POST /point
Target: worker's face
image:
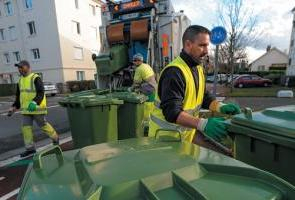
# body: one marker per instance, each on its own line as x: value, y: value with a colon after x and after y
x: 24, y: 70
x: 198, y: 48
x: 137, y: 62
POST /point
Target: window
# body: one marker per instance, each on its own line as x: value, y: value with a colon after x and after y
x: 78, y: 53
x: 32, y: 28
x: 6, y: 58
x: 2, y: 35
x: 290, y: 60
x: 28, y: 4
x: 35, y: 54
x: 80, y: 75
x: 77, y: 4
x: 93, y: 32
x: 76, y: 27
x: 245, y: 78
x: 92, y: 9
x: 16, y: 56
x: 12, y: 32
x: 8, y: 8
x: 261, y: 68
x: 292, y: 43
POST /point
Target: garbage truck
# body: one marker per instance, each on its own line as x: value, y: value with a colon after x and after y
x: 149, y: 27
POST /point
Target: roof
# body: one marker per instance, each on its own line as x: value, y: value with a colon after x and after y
x: 272, y: 49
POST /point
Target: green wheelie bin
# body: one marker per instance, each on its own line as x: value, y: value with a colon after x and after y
x: 93, y: 119
x: 130, y: 114
x: 146, y: 168
x: 266, y: 139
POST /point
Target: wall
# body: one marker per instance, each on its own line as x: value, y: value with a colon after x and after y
x: 46, y: 38
x: 66, y: 13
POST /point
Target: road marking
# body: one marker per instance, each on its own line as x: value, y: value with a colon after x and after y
x: 17, y: 158
x: 10, y: 194
x: 2, y: 178
x: 54, y: 106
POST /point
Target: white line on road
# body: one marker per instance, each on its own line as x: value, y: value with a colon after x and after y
x: 2, y: 178
x: 10, y: 194
x: 54, y: 106
x: 17, y: 158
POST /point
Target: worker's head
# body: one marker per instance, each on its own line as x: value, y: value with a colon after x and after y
x: 195, y: 41
x: 24, y: 67
x: 137, y: 59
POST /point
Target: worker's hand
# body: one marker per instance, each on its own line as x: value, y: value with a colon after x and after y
x: 230, y: 109
x: 32, y: 106
x: 213, y: 128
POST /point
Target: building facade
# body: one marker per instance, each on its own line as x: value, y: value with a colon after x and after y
x: 291, y: 62
x: 56, y: 37
x: 272, y: 59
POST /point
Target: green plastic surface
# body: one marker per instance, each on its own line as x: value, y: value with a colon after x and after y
x: 278, y: 120
x: 93, y: 119
x: 130, y: 114
x: 113, y: 60
x: 266, y: 140
x: 148, y: 169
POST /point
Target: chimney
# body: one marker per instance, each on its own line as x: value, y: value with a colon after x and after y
x: 268, y: 48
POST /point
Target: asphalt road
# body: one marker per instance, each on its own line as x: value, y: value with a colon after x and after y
x: 10, y: 127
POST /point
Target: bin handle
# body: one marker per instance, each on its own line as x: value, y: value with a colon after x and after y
x: 37, y: 159
x: 168, y: 130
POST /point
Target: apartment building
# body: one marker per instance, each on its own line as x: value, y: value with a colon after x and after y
x: 57, y: 37
x: 291, y: 62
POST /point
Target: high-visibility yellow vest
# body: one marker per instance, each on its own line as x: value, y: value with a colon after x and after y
x: 28, y: 93
x: 192, y: 102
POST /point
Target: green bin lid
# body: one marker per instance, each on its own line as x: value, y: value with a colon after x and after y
x: 146, y: 168
x: 130, y: 97
x: 89, y: 101
x: 278, y: 120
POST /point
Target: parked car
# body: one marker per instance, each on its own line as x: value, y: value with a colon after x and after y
x: 50, y: 89
x: 251, y: 81
x: 210, y: 79
x: 234, y: 77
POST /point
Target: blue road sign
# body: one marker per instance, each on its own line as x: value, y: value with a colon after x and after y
x: 218, y: 35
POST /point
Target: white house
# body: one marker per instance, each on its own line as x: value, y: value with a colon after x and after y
x: 57, y: 37
x: 291, y: 62
x: 273, y: 59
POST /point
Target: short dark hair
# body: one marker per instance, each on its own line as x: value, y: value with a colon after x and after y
x: 192, y: 31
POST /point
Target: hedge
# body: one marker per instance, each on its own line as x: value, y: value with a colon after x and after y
x: 7, y: 89
x: 76, y: 86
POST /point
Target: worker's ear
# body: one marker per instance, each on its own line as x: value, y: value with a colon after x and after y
x: 188, y: 45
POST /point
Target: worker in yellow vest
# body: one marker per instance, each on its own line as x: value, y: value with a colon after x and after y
x: 181, y: 94
x: 31, y: 101
x: 144, y: 81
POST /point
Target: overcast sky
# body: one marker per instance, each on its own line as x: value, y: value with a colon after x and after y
x: 274, y: 15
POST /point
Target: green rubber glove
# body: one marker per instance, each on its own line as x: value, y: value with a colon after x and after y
x: 213, y: 128
x: 230, y: 109
x: 32, y: 106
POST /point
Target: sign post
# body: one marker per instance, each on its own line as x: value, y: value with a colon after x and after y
x: 218, y: 36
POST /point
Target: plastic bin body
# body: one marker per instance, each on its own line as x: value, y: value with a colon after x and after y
x: 92, y: 123
x: 267, y: 140
x: 145, y: 168
x: 130, y: 115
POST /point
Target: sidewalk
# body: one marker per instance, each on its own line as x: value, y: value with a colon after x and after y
x: 13, y: 155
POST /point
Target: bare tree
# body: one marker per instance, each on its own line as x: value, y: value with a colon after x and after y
x: 240, y: 23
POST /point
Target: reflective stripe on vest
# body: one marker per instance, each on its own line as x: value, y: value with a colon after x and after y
x: 191, y: 103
